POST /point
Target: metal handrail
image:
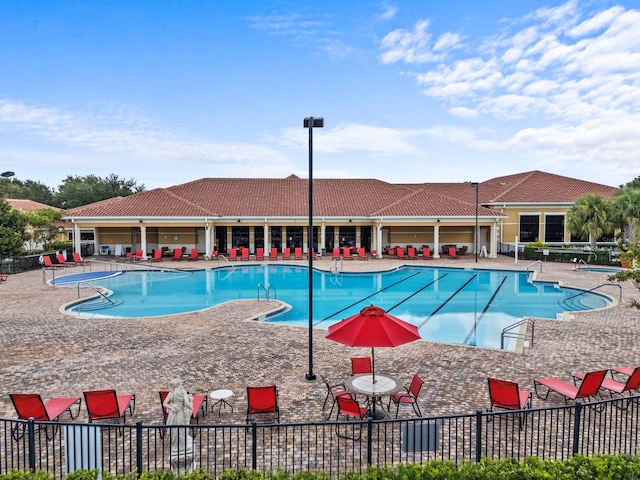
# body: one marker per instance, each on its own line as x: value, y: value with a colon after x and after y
x: 227, y: 260
x: 95, y: 290
x: 507, y: 332
x: 266, y: 292
x: 577, y: 267
x: 267, y: 289
x: 595, y: 288
x: 532, y: 264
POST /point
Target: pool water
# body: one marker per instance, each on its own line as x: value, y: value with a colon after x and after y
x: 447, y: 304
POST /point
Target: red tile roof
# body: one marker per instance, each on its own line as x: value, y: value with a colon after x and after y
x: 287, y: 197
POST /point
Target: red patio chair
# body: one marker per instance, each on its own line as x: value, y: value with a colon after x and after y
x: 47, y: 263
x: 333, y: 392
x: 105, y: 404
x: 193, y: 255
x: 214, y: 254
x: 361, y: 254
x: 273, y: 255
x: 286, y: 255
x: 263, y: 400
x: 426, y: 253
x: 346, y: 253
x: 360, y: 365
x: 311, y: 253
x: 350, y: 408
x: 30, y: 405
x: 259, y: 253
x: 139, y: 255
x: 409, y: 396
x: 400, y: 253
x: 244, y: 253
x: 589, y: 386
x: 505, y: 394
x: 233, y: 254
x: 336, y: 254
x: 453, y: 253
x: 157, y: 255
x: 62, y: 261
x: 297, y: 253
x: 177, y: 254
x: 614, y: 386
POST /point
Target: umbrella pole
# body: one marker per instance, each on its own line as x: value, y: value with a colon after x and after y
x: 373, y: 365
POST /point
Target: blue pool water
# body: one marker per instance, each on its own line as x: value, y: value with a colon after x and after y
x: 447, y: 304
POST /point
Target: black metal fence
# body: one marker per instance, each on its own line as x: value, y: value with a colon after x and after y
x: 608, y: 427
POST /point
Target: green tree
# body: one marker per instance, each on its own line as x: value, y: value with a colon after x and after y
x: 13, y: 234
x: 43, y: 230
x: 29, y: 190
x: 78, y: 191
x: 626, y: 208
x: 589, y: 218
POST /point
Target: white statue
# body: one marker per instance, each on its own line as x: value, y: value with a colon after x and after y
x: 179, y: 405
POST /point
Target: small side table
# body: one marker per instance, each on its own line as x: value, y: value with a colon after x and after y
x: 220, y: 399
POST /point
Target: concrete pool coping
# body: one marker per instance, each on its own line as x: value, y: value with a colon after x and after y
x: 53, y: 354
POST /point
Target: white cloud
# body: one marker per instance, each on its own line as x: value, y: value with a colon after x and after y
x: 388, y: 13
x: 410, y: 46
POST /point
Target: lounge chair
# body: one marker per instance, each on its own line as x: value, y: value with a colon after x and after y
x: 311, y: 253
x: 193, y: 255
x: 400, y: 253
x: 263, y: 400
x: 214, y: 254
x: 409, y: 396
x: 105, y: 404
x: 177, y: 254
x: 61, y: 261
x: 260, y: 254
x: 589, y: 386
x: 361, y: 254
x: 507, y: 395
x: 346, y: 253
x: 233, y: 254
x: 139, y: 255
x: 244, y: 254
x: 47, y: 263
x: 297, y: 253
x: 273, y: 255
x: 199, y: 406
x: 453, y: 253
x: 157, y: 255
x: 360, y: 365
x: 3, y: 277
x: 426, y: 253
x: 30, y: 405
x: 78, y: 259
x: 336, y: 254
x: 411, y: 254
x: 333, y: 392
x: 286, y: 254
x: 614, y: 386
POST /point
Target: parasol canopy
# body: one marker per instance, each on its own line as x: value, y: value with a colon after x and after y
x: 373, y: 327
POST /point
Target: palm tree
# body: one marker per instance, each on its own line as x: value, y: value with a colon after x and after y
x: 589, y: 218
x: 626, y: 205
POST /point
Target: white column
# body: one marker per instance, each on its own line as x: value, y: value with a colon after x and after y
x: 379, y: 240
x: 267, y: 240
x: 493, y: 247
x: 323, y: 237
x: 436, y: 241
x: 76, y: 238
x: 207, y: 241
x: 143, y: 241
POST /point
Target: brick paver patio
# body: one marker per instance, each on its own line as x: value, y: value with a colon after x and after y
x: 48, y: 352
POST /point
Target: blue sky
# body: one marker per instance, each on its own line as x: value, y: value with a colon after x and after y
x: 167, y: 91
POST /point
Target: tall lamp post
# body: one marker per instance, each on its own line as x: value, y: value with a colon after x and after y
x: 310, y: 123
x: 475, y: 235
x: 7, y: 174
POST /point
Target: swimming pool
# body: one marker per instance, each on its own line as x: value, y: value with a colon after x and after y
x: 447, y: 304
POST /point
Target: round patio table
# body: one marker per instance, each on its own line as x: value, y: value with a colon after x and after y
x: 385, y: 385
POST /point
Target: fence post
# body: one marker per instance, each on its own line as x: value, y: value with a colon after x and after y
x: 139, y: 447
x: 478, y: 436
x: 254, y: 445
x: 31, y: 432
x: 369, y: 440
x: 576, y: 427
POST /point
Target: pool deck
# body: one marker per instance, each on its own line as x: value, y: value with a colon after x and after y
x: 45, y: 351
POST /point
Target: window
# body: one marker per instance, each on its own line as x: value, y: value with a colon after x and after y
x: 240, y: 236
x: 529, y: 228
x: 554, y: 228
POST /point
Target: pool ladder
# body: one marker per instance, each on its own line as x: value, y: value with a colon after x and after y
x: 269, y: 288
x: 510, y: 332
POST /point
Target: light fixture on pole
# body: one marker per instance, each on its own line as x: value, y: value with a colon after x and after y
x: 7, y: 174
x: 476, y: 185
x: 310, y: 123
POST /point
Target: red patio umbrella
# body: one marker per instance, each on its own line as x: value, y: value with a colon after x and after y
x: 373, y: 327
